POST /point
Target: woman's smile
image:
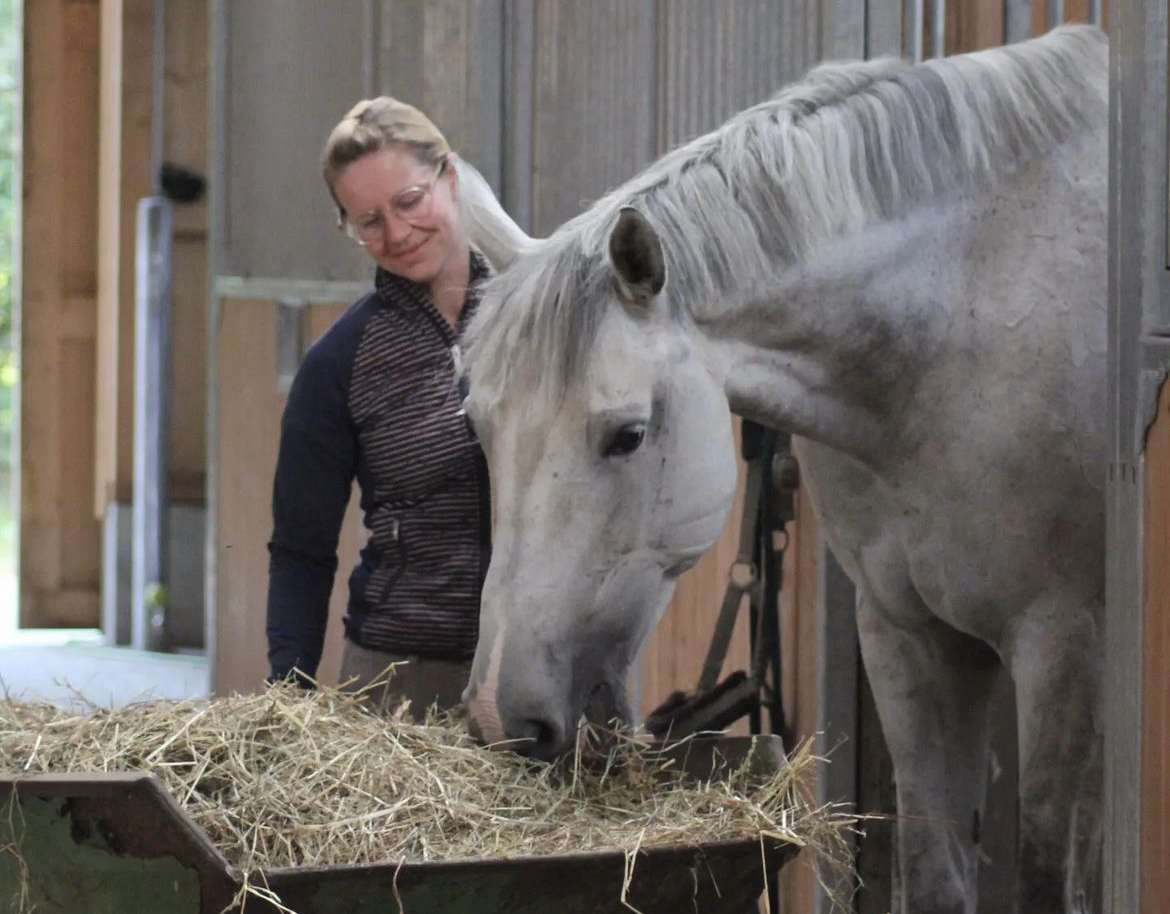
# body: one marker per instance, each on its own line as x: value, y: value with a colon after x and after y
x: 411, y: 252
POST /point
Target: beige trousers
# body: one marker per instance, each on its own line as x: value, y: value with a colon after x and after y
x: 423, y: 681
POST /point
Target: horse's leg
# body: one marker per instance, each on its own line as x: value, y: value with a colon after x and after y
x: 931, y: 685
x: 1055, y: 657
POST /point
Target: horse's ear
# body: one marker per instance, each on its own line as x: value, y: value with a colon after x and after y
x: 635, y: 256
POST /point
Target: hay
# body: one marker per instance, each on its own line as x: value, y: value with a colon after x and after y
x: 295, y: 778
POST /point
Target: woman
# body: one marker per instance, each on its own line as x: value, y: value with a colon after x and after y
x: 378, y: 398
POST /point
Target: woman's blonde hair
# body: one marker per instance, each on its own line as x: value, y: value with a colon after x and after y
x: 372, y: 125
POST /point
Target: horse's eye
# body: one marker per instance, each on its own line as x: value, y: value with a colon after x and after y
x: 626, y: 440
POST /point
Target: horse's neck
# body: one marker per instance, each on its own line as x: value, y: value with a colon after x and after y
x: 831, y: 344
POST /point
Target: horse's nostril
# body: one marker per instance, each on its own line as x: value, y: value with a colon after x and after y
x: 538, y: 739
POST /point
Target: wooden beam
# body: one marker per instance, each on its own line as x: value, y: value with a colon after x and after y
x: 127, y: 29
x: 249, y: 410
x: 60, y: 538
x: 974, y: 24
x: 185, y: 143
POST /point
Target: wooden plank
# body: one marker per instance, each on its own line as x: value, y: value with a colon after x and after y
x: 1040, y: 16
x: 714, y: 60
x: 593, y: 105
x: 185, y: 143
x: 185, y: 95
x: 62, y: 607
x: 79, y: 317
x: 801, y: 637
x: 276, y: 117
x: 249, y: 409
x: 124, y: 169
x: 188, y: 413
x: 1155, y: 752
x: 78, y: 547
x: 78, y: 107
x: 885, y: 27
x: 60, y: 538
x: 444, y: 56
x: 978, y: 24
x: 40, y: 356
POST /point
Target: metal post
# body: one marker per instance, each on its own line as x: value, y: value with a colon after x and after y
x: 152, y: 380
x: 1017, y: 20
x: 938, y: 31
x: 916, y: 32
x: 152, y: 322
x: 1055, y: 13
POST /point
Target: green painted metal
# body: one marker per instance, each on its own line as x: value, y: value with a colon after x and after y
x: 45, y: 866
x: 120, y: 844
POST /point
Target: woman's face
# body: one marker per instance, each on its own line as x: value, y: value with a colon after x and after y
x: 402, y: 212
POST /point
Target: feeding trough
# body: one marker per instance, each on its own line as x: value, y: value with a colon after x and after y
x: 110, y: 843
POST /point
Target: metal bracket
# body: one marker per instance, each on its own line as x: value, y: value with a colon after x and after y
x: 291, y: 318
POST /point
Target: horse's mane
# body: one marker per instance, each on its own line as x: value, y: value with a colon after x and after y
x: 852, y: 144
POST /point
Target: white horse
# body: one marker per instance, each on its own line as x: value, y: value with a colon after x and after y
x: 906, y: 267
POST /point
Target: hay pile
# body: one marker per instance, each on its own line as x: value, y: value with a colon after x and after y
x: 295, y: 778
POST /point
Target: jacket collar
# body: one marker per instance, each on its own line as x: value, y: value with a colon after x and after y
x: 400, y: 292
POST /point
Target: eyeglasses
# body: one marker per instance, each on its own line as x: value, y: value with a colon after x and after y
x: 413, y: 205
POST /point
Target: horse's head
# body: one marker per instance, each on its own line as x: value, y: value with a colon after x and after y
x: 609, y: 445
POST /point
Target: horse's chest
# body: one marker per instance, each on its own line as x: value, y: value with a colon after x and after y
x: 911, y: 554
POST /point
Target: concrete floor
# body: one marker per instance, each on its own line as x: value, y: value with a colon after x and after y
x: 75, y: 667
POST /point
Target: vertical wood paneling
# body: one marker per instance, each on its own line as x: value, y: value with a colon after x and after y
x: 249, y: 410
x: 292, y: 71
x: 885, y: 28
x: 717, y: 59
x: 1040, y: 16
x: 60, y: 542
x: 126, y: 111
x: 979, y: 24
x: 249, y: 437
x: 801, y: 647
x: 1155, y: 754
x: 446, y: 57
x: 124, y: 152
x: 185, y: 143
x: 593, y: 115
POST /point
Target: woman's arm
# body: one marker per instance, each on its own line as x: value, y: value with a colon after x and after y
x: 311, y: 489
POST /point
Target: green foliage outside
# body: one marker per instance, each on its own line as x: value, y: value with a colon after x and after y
x: 10, y: 109
x: 10, y: 184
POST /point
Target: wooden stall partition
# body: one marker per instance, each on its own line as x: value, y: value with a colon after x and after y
x: 127, y: 30
x: 185, y: 104
x: 800, y: 636
x: 1155, y: 742
x: 60, y: 540
x: 249, y: 407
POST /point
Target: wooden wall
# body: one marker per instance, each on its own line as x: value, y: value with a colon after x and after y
x: 59, y: 536
x: 86, y: 163
x: 249, y: 406
x: 125, y: 147
x: 185, y: 143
